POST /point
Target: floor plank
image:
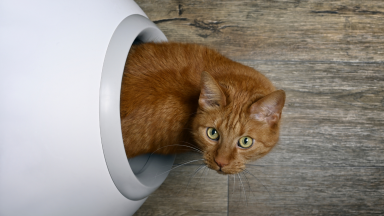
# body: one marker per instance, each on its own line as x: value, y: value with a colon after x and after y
x: 308, y: 190
x: 348, y: 30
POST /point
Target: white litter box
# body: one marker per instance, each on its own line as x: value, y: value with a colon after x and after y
x: 61, y: 148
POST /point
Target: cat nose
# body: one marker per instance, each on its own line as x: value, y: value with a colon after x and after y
x: 221, y: 162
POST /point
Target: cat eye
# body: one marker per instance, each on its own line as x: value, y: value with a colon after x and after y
x: 245, y: 142
x: 212, y: 133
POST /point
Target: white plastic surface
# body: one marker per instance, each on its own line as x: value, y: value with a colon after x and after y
x: 51, y: 60
x: 150, y: 178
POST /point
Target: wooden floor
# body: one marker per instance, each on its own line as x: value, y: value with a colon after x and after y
x: 329, y: 58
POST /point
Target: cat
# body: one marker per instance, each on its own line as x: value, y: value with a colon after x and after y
x: 188, y: 94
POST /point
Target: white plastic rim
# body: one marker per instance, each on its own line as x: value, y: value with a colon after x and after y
x: 151, y: 173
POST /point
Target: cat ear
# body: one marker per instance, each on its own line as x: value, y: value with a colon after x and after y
x: 211, y: 95
x: 269, y: 107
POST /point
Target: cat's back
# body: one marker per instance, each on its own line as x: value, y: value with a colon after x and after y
x: 175, y: 68
x: 176, y: 63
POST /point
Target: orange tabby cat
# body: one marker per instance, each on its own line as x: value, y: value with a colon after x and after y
x: 188, y: 94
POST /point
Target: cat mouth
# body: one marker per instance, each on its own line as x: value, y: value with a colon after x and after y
x: 227, y: 172
x: 220, y: 171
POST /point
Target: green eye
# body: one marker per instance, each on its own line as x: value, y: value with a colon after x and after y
x: 245, y: 142
x: 213, y: 134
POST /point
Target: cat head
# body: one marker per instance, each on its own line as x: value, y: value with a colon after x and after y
x: 234, y: 124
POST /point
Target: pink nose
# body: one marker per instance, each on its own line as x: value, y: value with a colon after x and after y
x: 221, y: 162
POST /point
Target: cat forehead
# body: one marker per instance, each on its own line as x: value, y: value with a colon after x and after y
x: 236, y: 123
x: 238, y: 99
x: 235, y: 117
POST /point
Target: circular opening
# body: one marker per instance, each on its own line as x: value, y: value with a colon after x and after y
x: 138, y: 177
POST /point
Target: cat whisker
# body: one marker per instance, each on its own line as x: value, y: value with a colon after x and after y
x: 193, y: 175
x: 245, y: 194
x: 205, y: 177
x: 234, y: 184
x: 202, y: 173
x: 195, y: 151
x: 179, y: 166
x: 197, y: 148
x: 194, y: 148
x: 249, y: 185
x: 259, y: 181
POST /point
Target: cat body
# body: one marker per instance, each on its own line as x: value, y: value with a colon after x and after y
x: 177, y: 94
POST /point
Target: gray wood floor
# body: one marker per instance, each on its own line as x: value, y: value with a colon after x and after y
x: 329, y: 58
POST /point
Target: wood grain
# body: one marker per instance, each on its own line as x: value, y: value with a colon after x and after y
x: 308, y: 190
x: 328, y: 56
x: 349, y: 30
x: 187, y: 192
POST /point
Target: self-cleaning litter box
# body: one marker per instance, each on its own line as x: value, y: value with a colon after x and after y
x: 61, y: 148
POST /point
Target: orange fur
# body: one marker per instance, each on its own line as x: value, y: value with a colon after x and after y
x: 165, y: 100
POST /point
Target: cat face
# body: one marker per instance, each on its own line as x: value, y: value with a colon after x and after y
x: 233, y: 130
